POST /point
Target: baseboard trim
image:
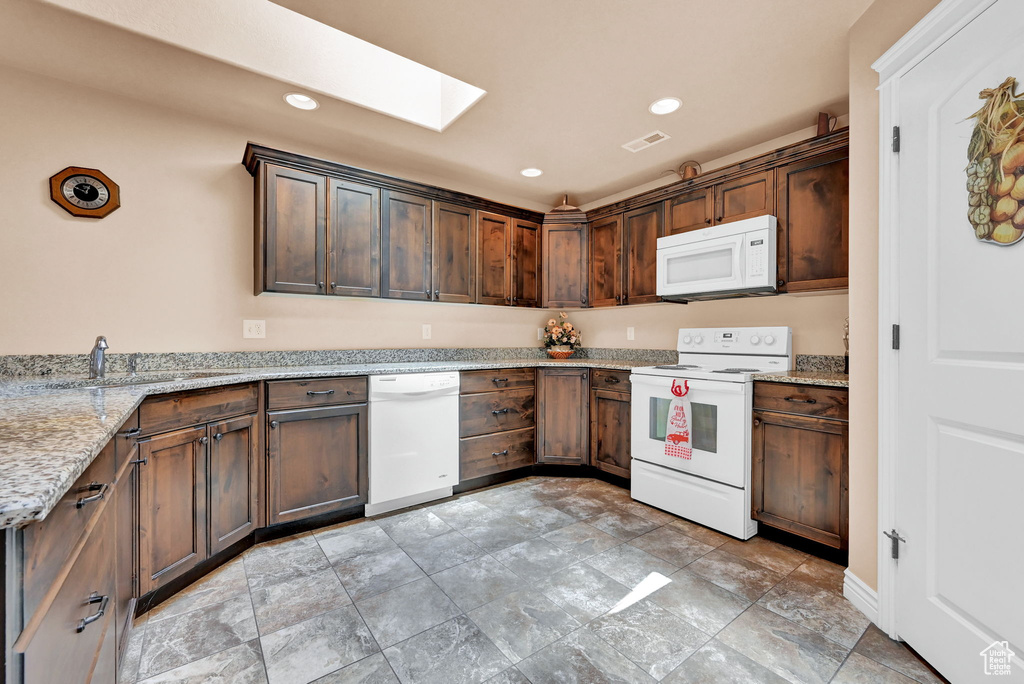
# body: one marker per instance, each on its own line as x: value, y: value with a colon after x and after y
x: 863, y: 597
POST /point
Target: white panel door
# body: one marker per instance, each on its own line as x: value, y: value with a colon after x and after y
x: 960, y: 464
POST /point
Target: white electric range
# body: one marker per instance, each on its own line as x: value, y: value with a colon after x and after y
x: 715, y: 371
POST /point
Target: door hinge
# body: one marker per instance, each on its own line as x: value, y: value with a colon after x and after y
x: 895, y: 335
x: 895, y: 538
x: 896, y: 139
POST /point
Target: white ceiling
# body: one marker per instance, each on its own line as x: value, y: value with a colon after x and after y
x: 568, y: 82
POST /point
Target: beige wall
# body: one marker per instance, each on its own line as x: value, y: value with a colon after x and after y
x: 879, y: 27
x: 171, y: 269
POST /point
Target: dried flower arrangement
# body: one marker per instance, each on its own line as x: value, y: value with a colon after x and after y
x: 561, y: 337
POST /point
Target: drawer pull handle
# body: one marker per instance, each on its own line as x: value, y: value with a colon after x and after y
x: 313, y: 394
x: 500, y: 453
x: 802, y: 401
x: 499, y: 411
x: 132, y: 432
x: 140, y: 461
x: 499, y: 380
x: 273, y: 424
x: 92, y: 487
x: 612, y: 380
x: 86, y: 621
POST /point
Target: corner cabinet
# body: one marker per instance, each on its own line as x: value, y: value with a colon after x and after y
x: 562, y: 415
x: 564, y: 281
x: 800, y: 461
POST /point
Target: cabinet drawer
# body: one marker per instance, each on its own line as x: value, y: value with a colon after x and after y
x: 57, y: 651
x: 180, y: 410
x: 495, y: 412
x: 809, y: 400
x: 283, y: 394
x: 489, y: 454
x: 610, y: 380
x: 49, y: 543
x: 471, y: 382
x: 124, y: 440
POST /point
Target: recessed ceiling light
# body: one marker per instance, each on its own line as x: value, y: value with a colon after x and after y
x: 665, y: 105
x: 300, y: 101
x: 531, y: 172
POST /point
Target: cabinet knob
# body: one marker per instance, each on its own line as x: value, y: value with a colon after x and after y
x: 583, y: 300
x: 273, y: 424
x: 508, y: 299
x: 781, y: 282
x: 718, y: 219
x: 707, y: 221
x: 320, y: 284
x: 757, y: 421
x: 437, y: 293
x: 204, y: 440
x: 219, y: 436
x: 334, y: 286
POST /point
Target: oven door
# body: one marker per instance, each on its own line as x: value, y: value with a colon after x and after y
x: 720, y: 427
x: 714, y: 265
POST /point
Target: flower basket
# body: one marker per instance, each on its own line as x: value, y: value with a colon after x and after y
x: 561, y: 337
x: 560, y: 352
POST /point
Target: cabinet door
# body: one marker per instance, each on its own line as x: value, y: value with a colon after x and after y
x: 232, y: 481
x: 353, y: 240
x: 609, y: 431
x: 494, y: 235
x: 606, y: 261
x: 564, y: 283
x: 640, y: 232
x: 454, y: 258
x: 562, y: 416
x: 172, y: 506
x: 317, y: 460
x: 406, y: 233
x: 126, y: 524
x: 814, y: 216
x: 295, y: 231
x: 689, y: 212
x: 800, y: 476
x: 525, y: 263
x: 745, y: 197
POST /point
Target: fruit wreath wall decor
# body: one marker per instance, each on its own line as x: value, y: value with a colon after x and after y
x: 995, y: 170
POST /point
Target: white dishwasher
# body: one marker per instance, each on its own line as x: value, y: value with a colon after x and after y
x: 414, y: 439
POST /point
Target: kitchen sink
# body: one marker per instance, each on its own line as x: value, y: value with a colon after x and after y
x: 122, y: 380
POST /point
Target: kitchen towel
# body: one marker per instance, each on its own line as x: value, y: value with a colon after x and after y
x: 677, y: 433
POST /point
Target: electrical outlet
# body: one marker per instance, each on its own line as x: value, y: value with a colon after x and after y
x: 426, y: 331
x: 254, y: 329
x: 630, y: 333
x: 540, y: 333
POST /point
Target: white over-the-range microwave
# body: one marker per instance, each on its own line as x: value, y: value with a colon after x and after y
x: 729, y: 260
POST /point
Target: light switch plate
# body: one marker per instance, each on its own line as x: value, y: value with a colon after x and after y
x: 426, y: 331
x: 540, y: 333
x: 630, y: 333
x: 254, y: 329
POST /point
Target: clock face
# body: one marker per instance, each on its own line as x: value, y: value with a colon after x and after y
x: 85, y: 192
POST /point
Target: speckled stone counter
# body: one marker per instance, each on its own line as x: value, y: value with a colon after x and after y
x: 51, y: 427
x: 798, y: 377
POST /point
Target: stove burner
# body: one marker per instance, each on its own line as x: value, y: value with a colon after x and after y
x: 737, y: 370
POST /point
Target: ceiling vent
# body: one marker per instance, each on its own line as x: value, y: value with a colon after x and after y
x: 646, y: 141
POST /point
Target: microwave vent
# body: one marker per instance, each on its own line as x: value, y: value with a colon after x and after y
x: 652, y: 138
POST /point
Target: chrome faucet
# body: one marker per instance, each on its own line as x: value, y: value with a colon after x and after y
x: 97, y: 361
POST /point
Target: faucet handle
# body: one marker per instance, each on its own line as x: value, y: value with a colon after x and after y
x: 101, y: 342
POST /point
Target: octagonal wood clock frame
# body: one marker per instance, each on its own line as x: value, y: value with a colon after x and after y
x: 88, y: 193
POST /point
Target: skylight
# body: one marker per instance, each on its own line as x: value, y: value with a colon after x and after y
x: 274, y: 41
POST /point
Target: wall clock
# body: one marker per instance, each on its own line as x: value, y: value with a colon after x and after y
x: 85, y: 192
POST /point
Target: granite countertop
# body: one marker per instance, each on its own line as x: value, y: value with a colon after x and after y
x: 51, y: 428
x: 821, y: 378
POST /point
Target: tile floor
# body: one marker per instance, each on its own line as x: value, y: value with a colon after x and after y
x: 519, y: 583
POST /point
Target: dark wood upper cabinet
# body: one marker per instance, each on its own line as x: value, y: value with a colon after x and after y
x: 641, y: 229
x: 813, y: 201
x: 406, y: 236
x: 317, y: 461
x: 606, y: 261
x: 494, y: 242
x: 562, y: 415
x: 295, y: 222
x: 745, y: 197
x: 689, y: 211
x: 564, y: 281
x: 353, y: 239
x: 454, y: 257
x: 172, y: 506
x: 526, y: 258
x: 232, y: 481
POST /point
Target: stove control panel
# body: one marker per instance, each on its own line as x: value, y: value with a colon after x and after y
x: 767, y: 341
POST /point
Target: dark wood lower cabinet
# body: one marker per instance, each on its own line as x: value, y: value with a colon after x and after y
x: 317, y: 461
x: 232, y: 481
x: 562, y: 415
x: 172, y: 506
x: 610, y: 431
x: 126, y: 520
x: 800, y: 466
